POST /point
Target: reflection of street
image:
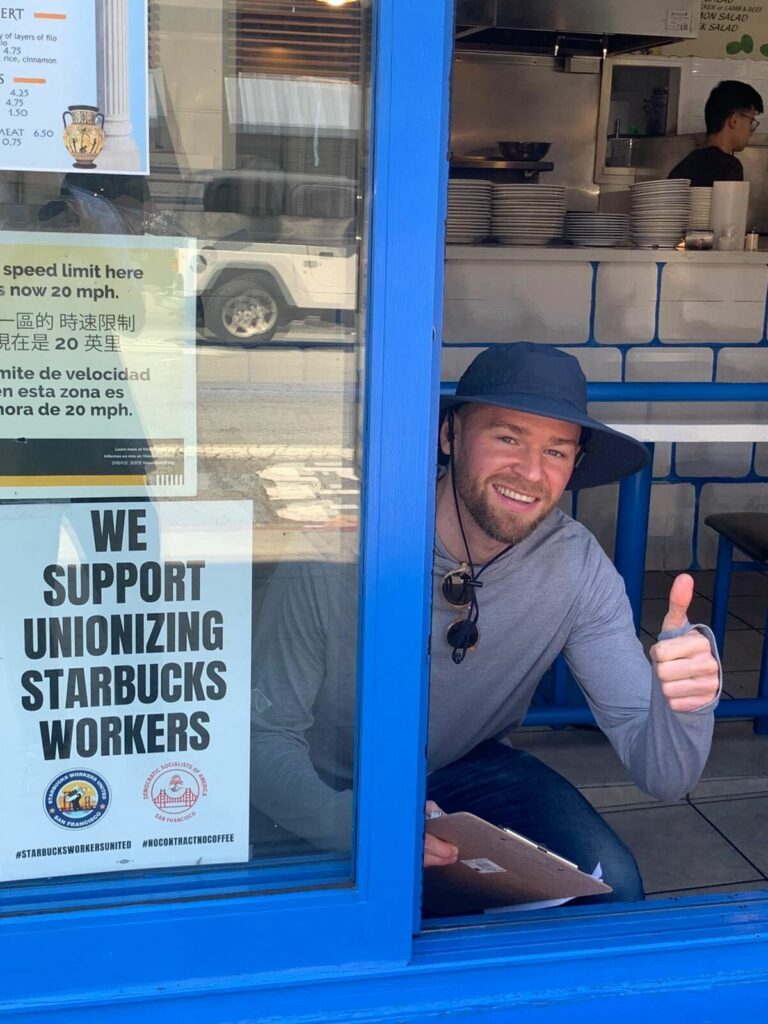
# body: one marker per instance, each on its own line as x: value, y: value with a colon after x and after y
x: 277, y: 424
x: 307, y: 332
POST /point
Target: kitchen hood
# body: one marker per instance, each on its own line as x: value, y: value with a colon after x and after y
x: 569, y: 27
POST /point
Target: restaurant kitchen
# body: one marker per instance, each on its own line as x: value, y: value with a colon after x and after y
x: 633, y: 311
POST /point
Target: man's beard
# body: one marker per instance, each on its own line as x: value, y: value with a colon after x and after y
x: 504, y: 527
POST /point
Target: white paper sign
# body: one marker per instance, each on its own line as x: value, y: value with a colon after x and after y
x: 124, y: 707
x: 97, y: 366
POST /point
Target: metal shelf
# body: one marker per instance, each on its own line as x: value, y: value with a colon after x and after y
x: 534, y: 166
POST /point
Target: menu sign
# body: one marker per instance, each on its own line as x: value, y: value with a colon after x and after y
x: 73, y: 87
x: 97, y: 366
x: 728, y: 28
x: 124, y: 710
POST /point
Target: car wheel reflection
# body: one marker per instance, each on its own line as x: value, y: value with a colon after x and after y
x: 247, y: 310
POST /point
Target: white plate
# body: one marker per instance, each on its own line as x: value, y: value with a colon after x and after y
x: 537, y: 216
x: 527, y: 201
x: 511, y: 187
x: 469, y: 218
x: 612, y: 236
x: 673, y: 185
x: 595, y: 223
x: 513, y: 226
x: 530, y: 235
x: 678, y: 204
x: 661, y: 207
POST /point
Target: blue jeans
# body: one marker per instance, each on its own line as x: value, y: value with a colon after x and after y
x: 513, y: 789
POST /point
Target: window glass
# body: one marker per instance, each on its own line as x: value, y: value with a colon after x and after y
x: 182, y: 205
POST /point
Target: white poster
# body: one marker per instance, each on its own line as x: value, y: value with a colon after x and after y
x: 125, y: 640
x: 728, y: 28
x: 73, y: 87
x: 97, y: 366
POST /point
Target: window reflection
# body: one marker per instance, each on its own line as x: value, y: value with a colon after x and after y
x: 255, y: 207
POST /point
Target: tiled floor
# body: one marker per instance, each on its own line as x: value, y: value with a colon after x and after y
x: 716, y: 840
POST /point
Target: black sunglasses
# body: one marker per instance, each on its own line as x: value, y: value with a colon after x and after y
x: 458, y: 589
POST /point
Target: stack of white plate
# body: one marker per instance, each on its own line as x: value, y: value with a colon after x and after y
x: 469, y: 211
x: 659, y: 212
x: 701, y: 206
x: 596, y: 228
x: 527, y: 214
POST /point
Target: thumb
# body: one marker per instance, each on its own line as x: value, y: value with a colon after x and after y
x: 680, y: 597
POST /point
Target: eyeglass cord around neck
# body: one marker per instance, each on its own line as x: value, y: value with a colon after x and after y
x: 473, y: 611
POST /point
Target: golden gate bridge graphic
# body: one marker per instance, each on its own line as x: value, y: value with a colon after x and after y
x: 182, y: 802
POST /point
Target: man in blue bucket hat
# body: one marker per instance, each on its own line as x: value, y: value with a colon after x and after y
x: 516, y: 583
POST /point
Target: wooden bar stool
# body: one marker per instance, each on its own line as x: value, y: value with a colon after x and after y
x: 748, y: 532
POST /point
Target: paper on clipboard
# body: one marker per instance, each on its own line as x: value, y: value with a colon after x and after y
x: 497, y: 868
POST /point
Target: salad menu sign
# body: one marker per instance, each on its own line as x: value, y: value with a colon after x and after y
x: 73, y: 87
x: 728, y: 28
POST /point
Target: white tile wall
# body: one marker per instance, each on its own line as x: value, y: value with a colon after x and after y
x: 670, y: 526
x: 596, y: 509
x: 566, y: 503
x: 726, y: 498
x: 701, y: 76
x: 742, y: 364
x: 705, y: 460
x: 717, y: 303
x: 455, y: 360
x: 669, y: 364
x: 598, y: 363
x: 513, y: 300
x: 662, y: 459
x: 625, y: 303
x: 517, y: 301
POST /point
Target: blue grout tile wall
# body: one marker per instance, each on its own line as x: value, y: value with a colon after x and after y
x: 671, y: 319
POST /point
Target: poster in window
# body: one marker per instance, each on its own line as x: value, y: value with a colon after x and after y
x: 124, y: 711
x: 97, y: 366
x: 73, y: 87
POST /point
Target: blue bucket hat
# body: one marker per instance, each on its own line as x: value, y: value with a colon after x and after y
x: 546, y: 381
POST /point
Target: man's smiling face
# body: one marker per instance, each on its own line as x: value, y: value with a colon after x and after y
x: 511, y: 469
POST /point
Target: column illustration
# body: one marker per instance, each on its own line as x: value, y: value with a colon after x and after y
x: 113, y: 86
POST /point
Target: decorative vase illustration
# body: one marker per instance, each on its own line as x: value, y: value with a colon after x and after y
x: 83, y: 136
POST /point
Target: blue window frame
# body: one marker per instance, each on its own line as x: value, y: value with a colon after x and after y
x: 334, y: 953
x: 208, y: 933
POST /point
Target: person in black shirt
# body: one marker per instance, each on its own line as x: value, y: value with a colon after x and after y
x: 730, y: 118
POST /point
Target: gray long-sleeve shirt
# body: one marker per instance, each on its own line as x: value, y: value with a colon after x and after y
x: 554, y: 592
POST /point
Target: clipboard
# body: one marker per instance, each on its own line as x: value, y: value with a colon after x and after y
x: 498, y: 867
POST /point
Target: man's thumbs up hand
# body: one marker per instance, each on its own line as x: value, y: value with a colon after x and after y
x: 686, y: 668
x: 680, y: 597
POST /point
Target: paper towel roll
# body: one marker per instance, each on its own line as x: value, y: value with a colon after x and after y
x: 729, y: 210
